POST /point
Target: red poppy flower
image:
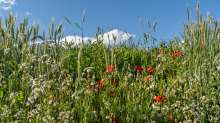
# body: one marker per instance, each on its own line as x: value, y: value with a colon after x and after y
x: 113, y: 119
x: 100, y: 83
x: 56, y: 97
x: 176, y: 53
x: 158, y: 98
x: 130, y: 91
x: 202, y: 45
x: 51, y: 98
x: 89, y: 87
x: 97, y: 90
x: 138, y: 68
x: 110, y: 68
x: 170, y: 118
x: 112, y: 92
x: 65, y: 87
x: 160, y: 51
x: 150, y: 70
x: 114, y: 83
x: 145, y: 79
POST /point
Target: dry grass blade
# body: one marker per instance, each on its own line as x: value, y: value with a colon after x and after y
x: 191, y: 15
x: 141, y: 23
x: 83, y: 16
x: 52, y: 26
x: 184, y: 34
x: 60, y: 26
x: 67, y: 20
x: 49, y: 30
x: 197, y: 9
x: 154, y: 25
x: 32, y: 28
x: 148, y: 24
x: 187, y: 12
x: 62, y: 32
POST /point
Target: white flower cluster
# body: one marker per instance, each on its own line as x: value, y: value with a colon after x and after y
x: 74, y: 95
x: 64, y: 115
x: 156, y: 107
x: 24, y: 65
x: 160, y: 55
x: 153, y: 85
x: 2, y: 81
x: 129, y: 76
x: 7, y: 50
x: 88, y: 69
x: 106, y: 104
x: 6, y: 111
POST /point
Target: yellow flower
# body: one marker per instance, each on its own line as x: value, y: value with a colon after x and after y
x: 2, y: 22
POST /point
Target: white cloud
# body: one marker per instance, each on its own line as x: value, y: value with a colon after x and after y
x: 6, y: 8
x: 182, y: 41
x: 29, y: 13
x: 121, y: 36
x: 12, y: 2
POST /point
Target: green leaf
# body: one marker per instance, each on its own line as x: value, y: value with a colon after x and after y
x: 10, y: 63
x: 112, y: 28
x: 154, y: 39
x: 2, y: 94
x: 73, y: 109
x: 215, y: 59
x: 20, y: 98
x: 3, y: 87
x: 171, y: 87
x: 37, y: 36
x: 21, y: 94
x: 77, y: 25
x: 15, y: 105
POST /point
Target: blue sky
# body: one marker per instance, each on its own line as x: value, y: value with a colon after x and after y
x: 121, y: 15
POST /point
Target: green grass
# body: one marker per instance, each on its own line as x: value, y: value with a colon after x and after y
x: 79, y: 85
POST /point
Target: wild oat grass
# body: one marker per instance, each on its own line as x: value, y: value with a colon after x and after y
x: 174, y: 83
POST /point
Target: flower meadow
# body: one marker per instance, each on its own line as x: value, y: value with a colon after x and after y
x: 178, y: 82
